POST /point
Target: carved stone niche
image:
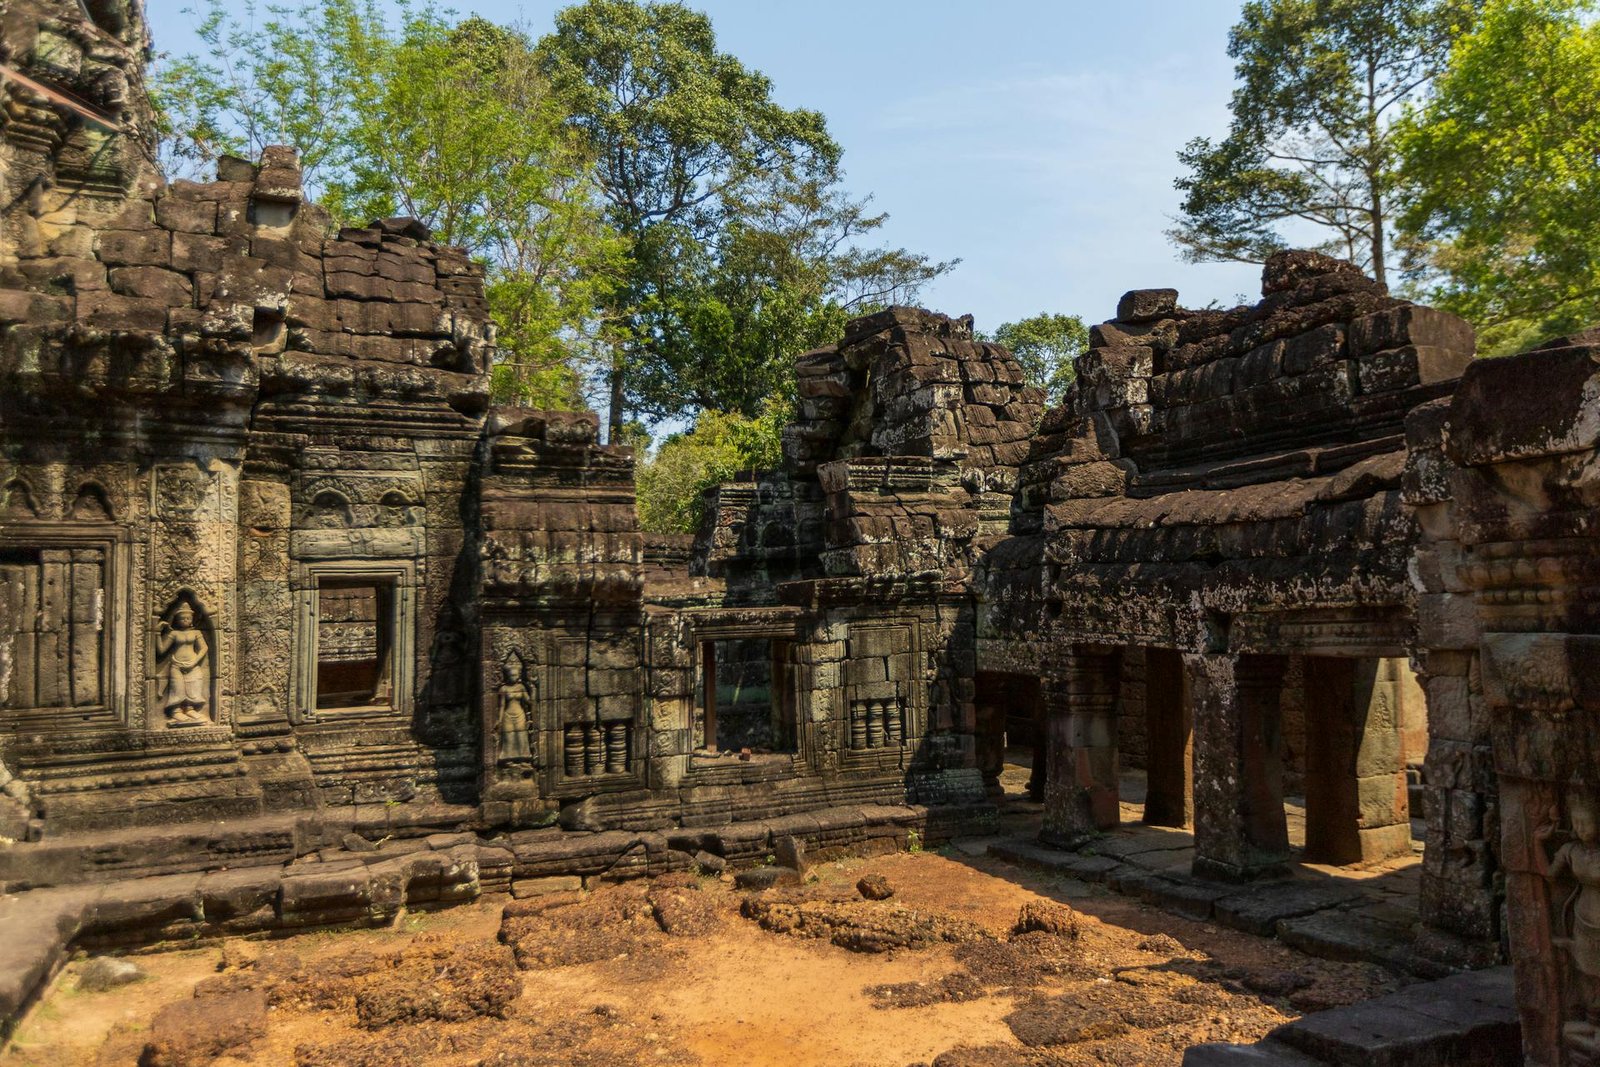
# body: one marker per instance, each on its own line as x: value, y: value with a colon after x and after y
x: 184, y: 645
x: 514, y: 704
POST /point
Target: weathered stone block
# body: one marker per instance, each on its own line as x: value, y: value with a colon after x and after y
x: 1144, y: 305
x: 1411, y: 325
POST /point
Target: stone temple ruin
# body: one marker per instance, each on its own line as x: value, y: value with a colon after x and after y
x: 275, y: 576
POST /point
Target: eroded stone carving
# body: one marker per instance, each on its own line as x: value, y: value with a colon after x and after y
x: 184, y: 664
x: 1574, y: 871
x: 515, y: 701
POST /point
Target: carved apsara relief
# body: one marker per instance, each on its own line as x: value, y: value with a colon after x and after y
x: 184, y: 665
x: 515, y: 703
x: 1569, y: 858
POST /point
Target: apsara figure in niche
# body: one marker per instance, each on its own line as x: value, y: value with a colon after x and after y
x: 185, y: 665
x: 1577, y: 919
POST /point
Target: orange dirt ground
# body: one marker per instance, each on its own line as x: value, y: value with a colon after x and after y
x: 689, y: 971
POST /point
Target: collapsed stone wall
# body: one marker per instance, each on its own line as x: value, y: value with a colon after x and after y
x: 898, y: 474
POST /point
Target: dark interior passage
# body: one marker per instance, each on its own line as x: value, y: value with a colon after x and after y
x: 355, y: 631
x: 1010, y: 733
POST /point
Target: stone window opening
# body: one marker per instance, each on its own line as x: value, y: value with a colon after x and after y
x: 743, y: 706
x: 355, y: 645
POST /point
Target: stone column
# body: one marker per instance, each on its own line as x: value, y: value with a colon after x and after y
x: 1356, y: 804
x: 1460, y: 907
x: 1239, y: 826
x: 1169, y: 747
x: 1080, y: 797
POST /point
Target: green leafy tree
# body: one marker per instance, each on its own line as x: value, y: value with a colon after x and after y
x: 452, y: 124
x: 1045, y: 344
x: 1502, y: 169
x: 1310, y: 148
x: 741, y: 249
x: 672, y: 482
x: 782, y: 276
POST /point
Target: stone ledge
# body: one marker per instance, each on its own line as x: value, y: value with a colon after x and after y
x: 1317, y: 917
x: 1466, y: 1020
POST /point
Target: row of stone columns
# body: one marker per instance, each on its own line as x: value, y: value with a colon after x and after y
x: 1229, y: 709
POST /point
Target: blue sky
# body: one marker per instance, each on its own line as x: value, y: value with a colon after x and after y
x: 1034, y: 140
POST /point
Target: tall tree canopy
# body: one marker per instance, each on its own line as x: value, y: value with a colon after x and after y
x: 1310, y: 147
x: 452, y: 124
x: 1045, y: 344
x: 742, y: 247
x: 1502, y: 174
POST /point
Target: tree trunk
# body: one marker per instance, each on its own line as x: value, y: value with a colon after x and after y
x: 1378, y: 267
x: 1374, y: 173
x: 616, y: 414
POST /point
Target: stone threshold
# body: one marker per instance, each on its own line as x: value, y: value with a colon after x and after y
x: 1318, y: 915
x: 1466, y: 1020
x: 362, y: 882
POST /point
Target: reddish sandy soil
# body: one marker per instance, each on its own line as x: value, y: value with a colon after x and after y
x: 691, y: 972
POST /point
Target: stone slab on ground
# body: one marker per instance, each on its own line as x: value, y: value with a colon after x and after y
x: 1165, y: 860
x: 1132, y: 881
x: 523, y: 888
x: 1466, y: 1020
x: 975, y: 846
x: 1128, y: 846
x: 1266, y: 1054
x: 36, y: 929
x: 1259, y: 909
x: 1028, y: 854
x: 1194, y: 898
x: 1343, y: 934
x: 758, y: 878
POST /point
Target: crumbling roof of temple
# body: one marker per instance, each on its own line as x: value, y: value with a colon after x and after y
x: 902, y: 458
x: 120, y: 290
x: 235, y: 291
x: 1246, y: 458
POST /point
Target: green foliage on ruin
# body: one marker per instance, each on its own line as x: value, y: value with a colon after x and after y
x: 449, y: 123
x: 1311, y: 146
x: 1045, y: 345
x: 1502, y: 175
x: 672, y: 481
x: 743, y: 249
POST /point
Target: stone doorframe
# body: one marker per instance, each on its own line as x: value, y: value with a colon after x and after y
x: 401, y: 576
x: 785, y: 625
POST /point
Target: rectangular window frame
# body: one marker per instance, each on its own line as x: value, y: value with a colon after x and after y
x: 783, y: 629
x: 113, y: 545
x: 400, y: 578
